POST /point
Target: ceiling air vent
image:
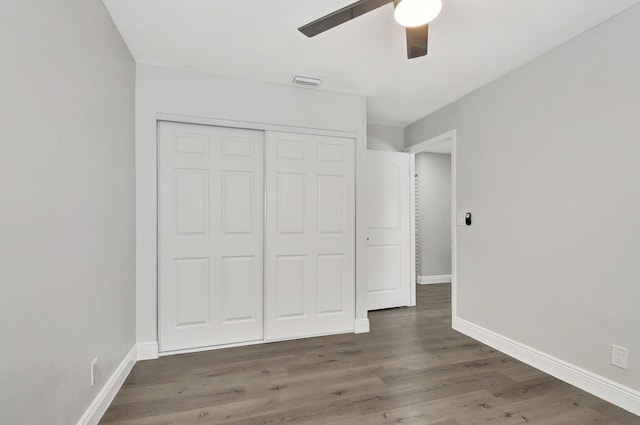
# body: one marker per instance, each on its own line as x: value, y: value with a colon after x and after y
x: 306, y: 81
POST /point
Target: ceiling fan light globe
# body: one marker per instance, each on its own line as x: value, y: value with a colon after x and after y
x: 414, y: 13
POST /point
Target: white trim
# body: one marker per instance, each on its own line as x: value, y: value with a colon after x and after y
x: 451, y: 136
x: 427, y: 144
x: 148, y: 350
x: 250, y: 343
x: 361, y: 326
x: 412, y: 231
x: 454, y: 229
x: 611, y: 391
x: 431, y: 280
x: 315, y: 335
x: 247, y: 125
x: 211, y: 347
x: 106, y: 395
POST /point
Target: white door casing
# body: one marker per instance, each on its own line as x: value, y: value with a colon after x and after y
x: 389, y: 234
x: 210, y: 229
x: 310, y: 235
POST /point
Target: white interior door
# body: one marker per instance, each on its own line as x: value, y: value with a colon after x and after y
x: 389, y: 233
x: 310, y: 235
x: 210, y: 206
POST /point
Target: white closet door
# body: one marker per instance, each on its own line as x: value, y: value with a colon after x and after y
x: 310, y: 235
x: 210, y: 235
x: 389, y: 235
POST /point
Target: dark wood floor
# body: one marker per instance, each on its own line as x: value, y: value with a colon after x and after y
x: 410, y: 369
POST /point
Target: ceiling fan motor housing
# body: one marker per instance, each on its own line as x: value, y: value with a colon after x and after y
x: 415, y: 13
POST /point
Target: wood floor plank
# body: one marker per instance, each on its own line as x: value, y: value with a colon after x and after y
x: 411, y: 369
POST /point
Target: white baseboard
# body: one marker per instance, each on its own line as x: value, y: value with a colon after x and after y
x: 104, y: 398
x: 250, y: 343
x: 430, y: 280
x: 602, y: 387
x: 361, y: 326
x: 148, y: 350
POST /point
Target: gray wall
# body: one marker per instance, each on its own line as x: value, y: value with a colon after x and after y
x: 385, y: 138
x: 66, y: 206
x: 548, y: 163
x: 434, y: 208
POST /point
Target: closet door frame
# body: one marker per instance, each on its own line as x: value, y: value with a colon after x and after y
x: 361, y: 324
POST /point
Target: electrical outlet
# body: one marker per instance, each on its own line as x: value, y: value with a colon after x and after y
x: 619, y: 356
x: 95, y: 369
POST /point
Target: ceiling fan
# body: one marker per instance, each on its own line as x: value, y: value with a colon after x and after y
x: 415, y: 15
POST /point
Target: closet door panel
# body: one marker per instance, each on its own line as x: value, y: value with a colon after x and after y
x: 310, y: 229
x: 210, y: 235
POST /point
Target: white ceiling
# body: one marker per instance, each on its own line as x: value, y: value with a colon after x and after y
x: 471, y: 43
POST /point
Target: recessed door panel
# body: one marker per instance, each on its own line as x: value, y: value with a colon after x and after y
x: 330, y: 153
x: 210, y: 235
x: 237, y: 202
x: 385, y: 272
x: 238, y: 276
x: 238, y: 148
x: 291, y: 149
x: 192, y: 291
x: 191, y: 201
x: 194, y: 145
x: 331, y: 284
x: 331, y: 198
x: 291, y: 203
x: 384, y: 182
x: 291, y: 276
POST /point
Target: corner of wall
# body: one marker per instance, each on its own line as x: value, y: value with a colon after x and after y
x: 99, y: 405
x: 97, y: 408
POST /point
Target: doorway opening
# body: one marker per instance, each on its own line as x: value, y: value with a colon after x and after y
x: 433, y: 211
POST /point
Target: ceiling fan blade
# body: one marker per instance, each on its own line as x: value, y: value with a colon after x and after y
x: 417, y: 41
x: 341, y: 16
